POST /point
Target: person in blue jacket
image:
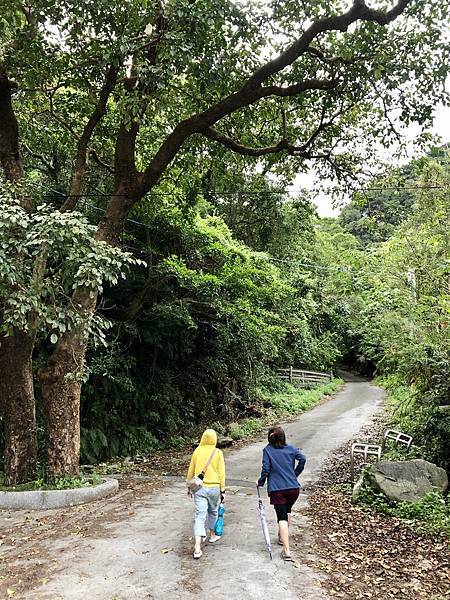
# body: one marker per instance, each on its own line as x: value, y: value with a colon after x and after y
x: 281, y: 472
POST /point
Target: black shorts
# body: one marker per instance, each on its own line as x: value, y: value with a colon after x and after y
x: 283, y: 501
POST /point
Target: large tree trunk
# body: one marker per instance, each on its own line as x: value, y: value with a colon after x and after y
x: 17, y: 403
x: 61, y: 395
x: 60, y: 379
x: 18, y: 406
x: 61, y: 389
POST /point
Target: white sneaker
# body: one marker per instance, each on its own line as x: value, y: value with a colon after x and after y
x: 214, y: 538
x: 198, y: 553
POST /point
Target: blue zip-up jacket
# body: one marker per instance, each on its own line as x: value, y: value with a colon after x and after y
x: 278, y: 467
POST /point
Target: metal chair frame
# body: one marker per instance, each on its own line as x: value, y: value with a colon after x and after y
x: 398, y: 437
x: 366, y: 450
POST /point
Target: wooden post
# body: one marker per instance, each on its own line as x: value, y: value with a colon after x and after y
x: 290, y: 374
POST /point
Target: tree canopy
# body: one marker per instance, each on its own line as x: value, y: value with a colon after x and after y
x: 117, y: 112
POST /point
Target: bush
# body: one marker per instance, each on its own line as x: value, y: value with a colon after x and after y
x: 97, y: 446
x: 419, y: 415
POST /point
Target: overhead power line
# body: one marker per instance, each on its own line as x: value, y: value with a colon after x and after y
x: 310, y: 264
x: 246, y: 192
x: 294, y: 262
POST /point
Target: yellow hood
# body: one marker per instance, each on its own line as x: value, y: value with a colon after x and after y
x: 209, y: 438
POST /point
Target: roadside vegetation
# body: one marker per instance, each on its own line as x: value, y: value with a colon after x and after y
x: 430, y: 514
x: 399, y: 304
x: 400, y: 321
x: 280, y: 401
x: 374, y: 548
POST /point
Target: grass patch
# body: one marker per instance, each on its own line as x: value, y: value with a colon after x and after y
x: 246, y: 428
x: 282, y: 400
x: 60, y: 483
x: 291, y: 400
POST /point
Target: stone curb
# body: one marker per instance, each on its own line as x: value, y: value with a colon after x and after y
x: 41, y: 499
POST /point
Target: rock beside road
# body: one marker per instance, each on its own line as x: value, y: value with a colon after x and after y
x: 222, y: 442
x: 407, y: 480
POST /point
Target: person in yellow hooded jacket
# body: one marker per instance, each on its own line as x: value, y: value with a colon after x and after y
x: 209, y: 496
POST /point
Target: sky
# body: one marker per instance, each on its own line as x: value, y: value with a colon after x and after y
x: 324, y: 203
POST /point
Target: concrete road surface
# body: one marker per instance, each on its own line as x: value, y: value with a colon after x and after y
x: 147, y: 553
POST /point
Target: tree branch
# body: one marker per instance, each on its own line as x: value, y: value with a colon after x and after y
x: 93, y: 154
x: 228, y: 142
x: 252, y: 91
x: 51, y: 170
x: 329, y: 60
x: 358, y: 11
x: 85, y: 138
x: 59, y: 120
x: 297, y: 88
x: 283, y: 145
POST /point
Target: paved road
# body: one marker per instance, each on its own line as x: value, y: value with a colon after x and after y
x: 147, y: 554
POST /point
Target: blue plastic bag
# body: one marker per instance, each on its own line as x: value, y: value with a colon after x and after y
x: 218, y: 530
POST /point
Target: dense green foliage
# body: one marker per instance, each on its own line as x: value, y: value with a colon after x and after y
x: 373, y: 216
x: 421, y: 416
x: 193, y: 336
x: 397, y: 295
x: 77, y: 260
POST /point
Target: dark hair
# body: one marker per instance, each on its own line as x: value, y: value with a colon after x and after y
x: 277, y: 437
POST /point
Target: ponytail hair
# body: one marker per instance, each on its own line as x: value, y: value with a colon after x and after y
x: 276, y: 437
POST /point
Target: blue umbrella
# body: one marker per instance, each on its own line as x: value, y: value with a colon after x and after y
x: 262, y: 518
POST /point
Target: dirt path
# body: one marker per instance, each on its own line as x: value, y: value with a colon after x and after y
x: 143, y: 547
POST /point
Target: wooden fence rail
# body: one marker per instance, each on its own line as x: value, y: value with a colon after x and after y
x: 304, y: 378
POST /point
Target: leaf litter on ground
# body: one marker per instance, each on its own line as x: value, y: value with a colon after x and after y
x: 369, y: 555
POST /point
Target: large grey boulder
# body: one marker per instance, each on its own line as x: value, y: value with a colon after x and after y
x: 407, y: 480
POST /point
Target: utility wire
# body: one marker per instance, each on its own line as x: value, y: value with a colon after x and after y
x: 253, y: 192
x: 310, y: 265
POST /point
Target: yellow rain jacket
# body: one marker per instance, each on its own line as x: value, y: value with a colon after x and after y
x: 215, y: 474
